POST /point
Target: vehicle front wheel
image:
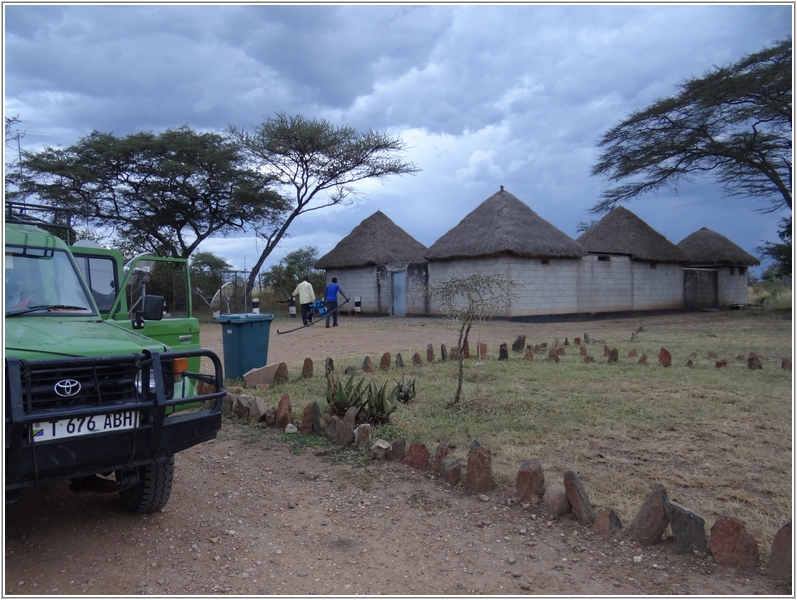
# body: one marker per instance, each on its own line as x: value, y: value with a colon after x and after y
x: 153, y: 489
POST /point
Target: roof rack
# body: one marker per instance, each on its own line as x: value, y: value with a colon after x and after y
x: 19, y: 212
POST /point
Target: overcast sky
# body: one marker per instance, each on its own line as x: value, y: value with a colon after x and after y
x: 484, y: 96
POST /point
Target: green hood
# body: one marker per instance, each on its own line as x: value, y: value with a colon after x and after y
x: 33, y: 337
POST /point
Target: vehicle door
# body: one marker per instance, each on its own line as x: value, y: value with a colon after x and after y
x: 119, y: 290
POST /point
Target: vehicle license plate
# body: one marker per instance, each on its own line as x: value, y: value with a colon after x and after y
x: 65, y: 428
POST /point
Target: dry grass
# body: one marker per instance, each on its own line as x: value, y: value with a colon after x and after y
x: 775, y: 295
x: 718, y: 439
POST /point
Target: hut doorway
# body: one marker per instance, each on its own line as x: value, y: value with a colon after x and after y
x: 700, y: 288
x: 399, y: 281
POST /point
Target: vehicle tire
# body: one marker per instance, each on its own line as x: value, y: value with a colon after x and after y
x: 153, y: 489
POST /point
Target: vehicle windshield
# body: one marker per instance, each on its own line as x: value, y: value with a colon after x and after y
x: 43, y: 280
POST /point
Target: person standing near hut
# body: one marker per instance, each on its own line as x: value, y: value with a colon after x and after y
x: 331, y: 298
x: 306, y: 297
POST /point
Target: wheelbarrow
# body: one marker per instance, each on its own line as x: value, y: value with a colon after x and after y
x: 318, y: 310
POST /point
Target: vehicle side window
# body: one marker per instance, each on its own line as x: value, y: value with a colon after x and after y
x: 161, y: 278
x: 99, y: 273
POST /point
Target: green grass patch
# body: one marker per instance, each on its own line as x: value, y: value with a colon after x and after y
x: 299, y: 443
x: 719, y: 439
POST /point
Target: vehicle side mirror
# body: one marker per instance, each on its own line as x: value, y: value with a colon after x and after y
x: 152, y: 311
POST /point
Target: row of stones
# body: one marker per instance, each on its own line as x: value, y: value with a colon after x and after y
x: 266, y: 377
x: 554, y: 354
x: 729, y: 542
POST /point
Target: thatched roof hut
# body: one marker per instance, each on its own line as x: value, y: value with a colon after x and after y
x: 622, y: 232
x: 375, y: 241
x: 503, y: 225
x: 708, y: 247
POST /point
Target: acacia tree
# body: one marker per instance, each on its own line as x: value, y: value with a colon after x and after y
x: 207, y: 261
x: 779, y: 253
x: 469, y: 298
x: 317, y: 164
x: 162, y: 193
x: 282, y: 278
x: 735, y: 121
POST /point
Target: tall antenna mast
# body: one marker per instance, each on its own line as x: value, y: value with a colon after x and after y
x: 19, y: 134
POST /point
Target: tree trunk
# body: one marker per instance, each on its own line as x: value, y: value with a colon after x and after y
x: 461, y: 355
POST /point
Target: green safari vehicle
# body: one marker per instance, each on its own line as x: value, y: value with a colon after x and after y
x: 99, y: 374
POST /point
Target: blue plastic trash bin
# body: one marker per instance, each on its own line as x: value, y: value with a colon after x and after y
x: 245, y: 340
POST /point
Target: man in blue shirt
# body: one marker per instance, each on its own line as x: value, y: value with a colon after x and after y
x: 331, y: 298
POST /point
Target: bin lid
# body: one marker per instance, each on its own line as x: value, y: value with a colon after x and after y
x: 244, y: 318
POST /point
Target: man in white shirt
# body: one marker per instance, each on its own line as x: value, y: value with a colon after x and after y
x: 306, y: 297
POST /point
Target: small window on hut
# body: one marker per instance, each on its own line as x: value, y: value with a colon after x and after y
x: 742, y: 270
x: 603, y: 258
x: 733, y: 270
x: 652, y: 265
x: 545, y: 261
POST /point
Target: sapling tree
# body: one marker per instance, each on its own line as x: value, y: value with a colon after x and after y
x: 469, y: 298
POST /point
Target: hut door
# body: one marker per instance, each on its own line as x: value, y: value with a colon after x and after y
x: 700, y: 288
x: 399, y: 279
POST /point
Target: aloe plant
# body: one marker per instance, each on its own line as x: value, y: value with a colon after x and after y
x: 341, y: 396
x: 379, y: 405
x: 374, y: 404
x: 405, y: 390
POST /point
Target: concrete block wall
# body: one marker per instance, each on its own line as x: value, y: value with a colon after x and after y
x: 659, y: 288
x: 568, y: 286
x: 731, y: 285
x: 384, y: 290
x: 358, y: 282
x: 563, y: 286
x: 605, y: 283
x: 417, y: 279
x: 374, y: 285
x: 542, y: 289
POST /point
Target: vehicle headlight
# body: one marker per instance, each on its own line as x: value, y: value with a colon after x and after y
x: 151, y: 388
x: 145, y: 382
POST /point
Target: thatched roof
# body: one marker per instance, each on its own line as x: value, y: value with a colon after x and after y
x: 375, y: 241
x: 708, y: 247
x: 622, y: 232
x: 502, y: 224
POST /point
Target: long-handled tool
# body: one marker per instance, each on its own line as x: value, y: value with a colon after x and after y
x: 313, y: 322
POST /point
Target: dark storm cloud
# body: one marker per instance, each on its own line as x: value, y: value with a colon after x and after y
x: 330, y: 55
x: 484, y: 95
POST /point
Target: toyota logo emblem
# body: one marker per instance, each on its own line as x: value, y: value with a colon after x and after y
x: 66, y: 388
